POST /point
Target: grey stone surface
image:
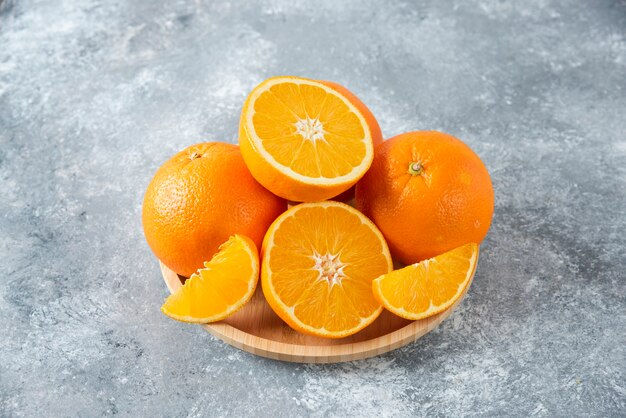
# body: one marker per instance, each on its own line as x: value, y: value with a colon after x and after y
x: 95, y: 95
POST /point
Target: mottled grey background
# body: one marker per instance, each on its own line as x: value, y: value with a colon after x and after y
x: 95, y: 95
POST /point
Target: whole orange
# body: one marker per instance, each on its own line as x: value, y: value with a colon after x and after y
x: 198, y: 199
x: 428, y: 192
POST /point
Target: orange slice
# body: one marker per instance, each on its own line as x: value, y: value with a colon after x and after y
x: 303, y: 139
x: 319, y: 260
x: 225, y: 284
x: 428, y: 287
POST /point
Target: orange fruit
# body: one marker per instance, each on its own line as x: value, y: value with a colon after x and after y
x: 304, y: 140
x: 377, y: 135
x: 199, y: 198
x: 428, y: 287
x: 219, y: 289
x: 428, y: 193
x: 319, y: 260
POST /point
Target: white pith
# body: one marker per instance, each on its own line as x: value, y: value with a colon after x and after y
x: 310, y: 129
x: 330, y: 267
x: 258, y: 145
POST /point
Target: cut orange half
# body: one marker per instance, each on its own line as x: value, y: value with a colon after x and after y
x: 428, y: 287
x: 319, y: 260
x: 225, y: 284
x: 303, y: 139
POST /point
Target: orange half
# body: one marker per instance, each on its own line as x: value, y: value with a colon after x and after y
x: 225, y: 284
x: 304, y: 140
x: 319, y: 260
x: 428, y: 287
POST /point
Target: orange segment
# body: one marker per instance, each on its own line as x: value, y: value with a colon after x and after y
x: 319, y: 260
x: 303, y: 139
x: 377, y: 135
x: 225, y: 284
x: 428, y: 287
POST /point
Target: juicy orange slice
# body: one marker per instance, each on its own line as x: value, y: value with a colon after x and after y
x: 225, y: 284
x: 428, y: 287
x: 304, y: 140
x: 319, y: 260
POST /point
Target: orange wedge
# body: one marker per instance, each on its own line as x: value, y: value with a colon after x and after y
x: 319, y: 260
x: 428, y: 287
x: 225, y: 284
x: 303, y: 139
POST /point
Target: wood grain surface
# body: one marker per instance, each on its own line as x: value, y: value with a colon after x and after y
x: 258, y: 330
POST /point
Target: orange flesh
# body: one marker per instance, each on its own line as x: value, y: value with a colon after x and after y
x: 428, y: 287
x: 319, y: 262
x: 309, y: 129
x: 219, y: 289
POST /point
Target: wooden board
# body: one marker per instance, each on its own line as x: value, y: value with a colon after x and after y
x: 255, y: 328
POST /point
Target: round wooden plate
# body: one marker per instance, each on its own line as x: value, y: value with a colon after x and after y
x: 255, y: 328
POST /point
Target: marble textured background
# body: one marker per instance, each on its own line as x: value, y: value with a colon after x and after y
x: 95, y: 95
